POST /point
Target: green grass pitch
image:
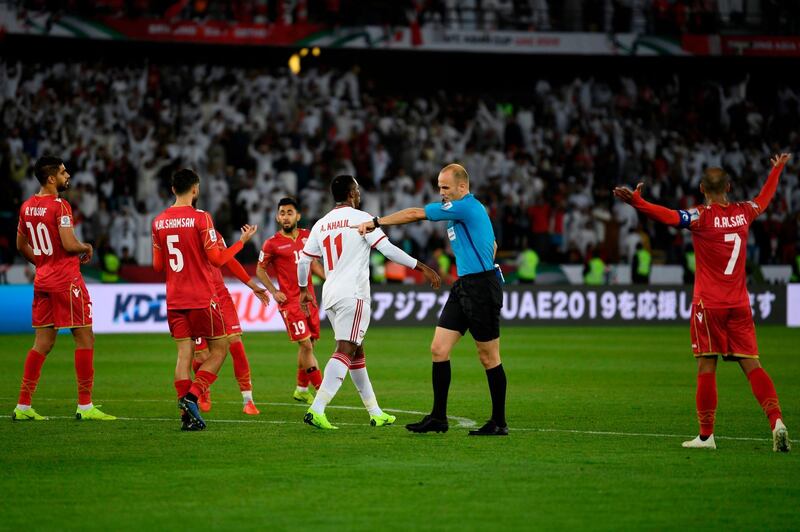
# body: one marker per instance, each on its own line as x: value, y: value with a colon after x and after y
x: 597, y: 418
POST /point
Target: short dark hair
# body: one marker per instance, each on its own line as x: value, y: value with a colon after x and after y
x: 341, y: 187
x: 289, y: 200
x: 183, y: 180
x: 46, y: 166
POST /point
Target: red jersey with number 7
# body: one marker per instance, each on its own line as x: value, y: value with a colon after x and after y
x: 39, y: 220
x: 720, y: 244
x: 183, y: 234
x: 284, y: 253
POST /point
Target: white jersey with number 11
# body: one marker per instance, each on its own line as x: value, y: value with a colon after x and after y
x: 344, y: 254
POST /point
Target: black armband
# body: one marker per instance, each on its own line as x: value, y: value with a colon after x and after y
x: 376, y: 222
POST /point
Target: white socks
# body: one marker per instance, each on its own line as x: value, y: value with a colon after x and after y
x: 86, y: 407
x: 24, y: 407
x: 364, y: 387
x: 302, y: 388
x: 335, y: 373
x: 247, y: 396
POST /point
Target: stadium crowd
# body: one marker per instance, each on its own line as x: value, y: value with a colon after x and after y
x: 639, y: 16
x: 544, y: 159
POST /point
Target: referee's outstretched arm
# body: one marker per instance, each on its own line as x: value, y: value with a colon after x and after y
x: 406, y: 216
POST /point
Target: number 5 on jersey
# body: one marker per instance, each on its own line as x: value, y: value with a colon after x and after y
x: 175, y: 255
x: 333, y: 252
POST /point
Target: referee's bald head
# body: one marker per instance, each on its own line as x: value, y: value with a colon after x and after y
x: 458, y: 172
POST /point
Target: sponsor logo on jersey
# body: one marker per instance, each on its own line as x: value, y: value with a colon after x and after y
x: 212, y: 235
x: 447, y: 205
x: 451, y: 233
x: 66, y: 221
x: 699, y: 316
x: 76, y: 292
x: 261, y: 256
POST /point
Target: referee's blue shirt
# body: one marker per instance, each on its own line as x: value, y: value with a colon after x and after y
x: 469, y: 230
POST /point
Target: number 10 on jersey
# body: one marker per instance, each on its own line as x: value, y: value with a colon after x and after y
x: 333, y: 249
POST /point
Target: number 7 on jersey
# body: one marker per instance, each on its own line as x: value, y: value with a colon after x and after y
x: 737, y: 246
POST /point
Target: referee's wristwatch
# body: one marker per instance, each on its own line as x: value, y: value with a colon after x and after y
x: 375, y: 222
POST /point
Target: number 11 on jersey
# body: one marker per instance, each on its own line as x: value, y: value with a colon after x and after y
x: 331, y: 253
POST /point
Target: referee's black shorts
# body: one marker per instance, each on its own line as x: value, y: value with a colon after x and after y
x: 474, y: 304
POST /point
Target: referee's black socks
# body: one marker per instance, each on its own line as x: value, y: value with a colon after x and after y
x: 497, y: 388
x: 440, y: 378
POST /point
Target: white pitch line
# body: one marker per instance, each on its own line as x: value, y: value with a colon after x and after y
x: 644, y: 434
x: 461, y: 422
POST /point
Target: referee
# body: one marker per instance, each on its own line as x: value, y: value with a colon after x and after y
x: 475, y: 299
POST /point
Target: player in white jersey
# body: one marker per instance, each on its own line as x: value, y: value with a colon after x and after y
x: 346, y: 296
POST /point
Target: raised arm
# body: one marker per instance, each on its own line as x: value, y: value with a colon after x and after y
x: 768, y: 190
x: 651, y: 210
x: 240, y: 273
x: 406, y: 216
x: 218, y: 258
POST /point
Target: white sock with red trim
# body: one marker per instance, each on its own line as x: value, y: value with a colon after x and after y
x: 335, y: 373
x: 364, y: 386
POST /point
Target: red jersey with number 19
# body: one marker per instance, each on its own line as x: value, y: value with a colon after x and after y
x: 284, y: 253
x: 183, y: 234
x: 720, y: 242
x: 39, y: 220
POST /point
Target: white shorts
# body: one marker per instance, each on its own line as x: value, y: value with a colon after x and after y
x: 350, y: 319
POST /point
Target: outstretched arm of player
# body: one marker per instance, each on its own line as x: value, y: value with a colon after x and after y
x: 395, y: 254
x: 218, y: 258
x: 651, y: 210
x: 24, y: 247
x: 406, y: 216
x: 768, y: 190
x: 240, y: 273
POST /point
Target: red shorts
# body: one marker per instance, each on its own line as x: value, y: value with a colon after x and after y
x: 298, y: 325
x: 196, y: 323
x: 64, y: 309
x: 229, y: 314
x: 723, y: 331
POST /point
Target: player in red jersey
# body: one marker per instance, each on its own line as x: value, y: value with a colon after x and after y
x: 185, y: 245
x: 722, y: 322
x: 282, y: 251
x: 46, y: 238
x: 233, y: 331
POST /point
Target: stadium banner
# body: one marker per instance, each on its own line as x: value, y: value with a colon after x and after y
x: 134, y: 308
x: 793, y: 305
x: 141, y: 308
x: 572, y: 305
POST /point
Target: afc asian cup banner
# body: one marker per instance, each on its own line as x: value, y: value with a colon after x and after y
x: 578, y: 305
x: 134, y: 308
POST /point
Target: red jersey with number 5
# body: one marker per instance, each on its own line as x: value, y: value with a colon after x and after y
x: 284, y: 253
x: 720, y: 244
x: 183, y: 234
x: 39, y: 220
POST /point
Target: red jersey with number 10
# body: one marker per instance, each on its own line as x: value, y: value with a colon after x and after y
x: 183, y: 234
x: 284, y: 253
x: 39, y: 220
x: 720, y: 245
